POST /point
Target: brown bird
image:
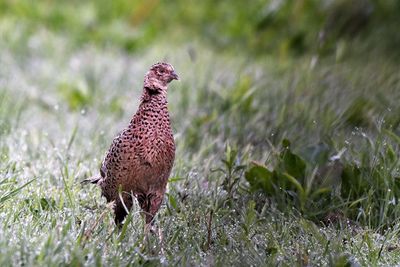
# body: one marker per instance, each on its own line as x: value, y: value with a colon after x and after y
x: 140, y: 158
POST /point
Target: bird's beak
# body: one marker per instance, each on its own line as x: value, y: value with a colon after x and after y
x: 174, y: 76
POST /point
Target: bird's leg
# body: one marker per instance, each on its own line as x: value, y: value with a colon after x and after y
x: 144, y: 203
x: 150, y: 205
x: 155, y: 204
x: 121, y: 209
x: 120, y: 214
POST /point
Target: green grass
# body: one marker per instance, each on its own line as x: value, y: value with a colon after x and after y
x: 237, y: 194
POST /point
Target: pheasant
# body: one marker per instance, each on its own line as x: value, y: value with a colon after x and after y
x: 139, y: 160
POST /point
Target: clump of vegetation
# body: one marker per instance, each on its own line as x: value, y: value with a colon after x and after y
x: 323, y: 186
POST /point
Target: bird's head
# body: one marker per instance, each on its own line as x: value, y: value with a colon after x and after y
x: 159, y: 76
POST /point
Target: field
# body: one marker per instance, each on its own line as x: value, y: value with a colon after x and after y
x: 287, y: 154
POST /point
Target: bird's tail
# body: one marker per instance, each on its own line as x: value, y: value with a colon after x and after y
x: 92, y: 180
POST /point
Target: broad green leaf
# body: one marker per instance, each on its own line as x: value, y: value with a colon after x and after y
x: 291, y: 163
x: 260, y: 178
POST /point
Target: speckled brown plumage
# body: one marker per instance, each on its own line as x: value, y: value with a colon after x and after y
x: 140, y: 158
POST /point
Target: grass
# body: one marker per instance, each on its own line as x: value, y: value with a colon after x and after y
x: 237, y: 195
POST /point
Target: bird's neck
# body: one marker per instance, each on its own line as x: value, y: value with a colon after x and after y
x: 154, y: 100
x: 152, y: 106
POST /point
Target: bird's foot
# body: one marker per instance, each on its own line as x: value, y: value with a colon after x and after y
x: 150, y: 228
x: 151, y: 232
x: 161, y: 238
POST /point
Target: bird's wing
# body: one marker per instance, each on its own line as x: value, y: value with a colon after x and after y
x: 111, y: 156
x: 109, y: 162
x: 124, y: 148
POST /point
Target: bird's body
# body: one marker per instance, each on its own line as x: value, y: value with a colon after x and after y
x: 140, y: 158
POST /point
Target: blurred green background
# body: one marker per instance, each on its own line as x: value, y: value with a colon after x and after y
x: 281, y: 28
